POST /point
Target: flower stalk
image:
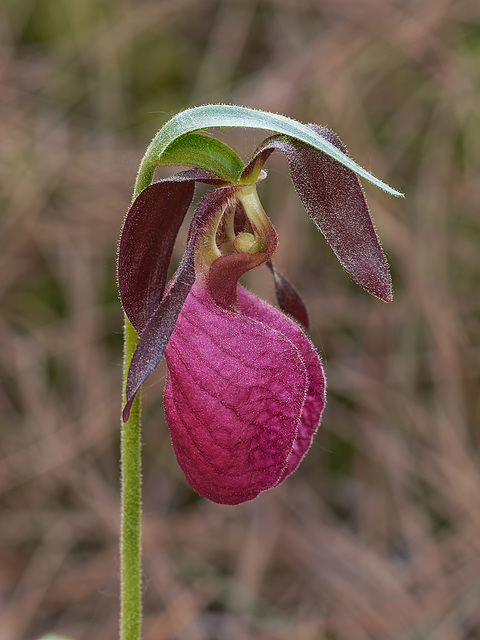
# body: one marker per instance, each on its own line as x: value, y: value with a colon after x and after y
x: 131, y: 478
x: 245, y: 389
x: 131, y: 509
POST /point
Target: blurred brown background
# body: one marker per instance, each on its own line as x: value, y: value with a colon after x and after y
x: 377, y: 536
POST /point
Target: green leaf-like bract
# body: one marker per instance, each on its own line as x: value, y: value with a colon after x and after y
x: 223, y: 115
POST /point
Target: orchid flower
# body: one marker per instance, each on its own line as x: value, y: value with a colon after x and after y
x: 245, y: 388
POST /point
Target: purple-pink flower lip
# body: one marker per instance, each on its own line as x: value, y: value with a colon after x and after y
x: 244, y: 395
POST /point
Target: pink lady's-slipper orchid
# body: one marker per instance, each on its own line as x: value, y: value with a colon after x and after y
x: 245, y: 389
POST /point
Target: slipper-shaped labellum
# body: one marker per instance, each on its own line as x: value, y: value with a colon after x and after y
x: 245, y: 388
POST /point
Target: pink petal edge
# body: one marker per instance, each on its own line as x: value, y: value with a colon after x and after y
x: 315, y: 399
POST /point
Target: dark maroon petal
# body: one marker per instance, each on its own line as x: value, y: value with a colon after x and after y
x: 146, y: 244
x: 333, y: 197
x: 288, y: 298
x: 233, y: 400
x: 257, y: 309
x: 154, y: 339
x: 156, y: 334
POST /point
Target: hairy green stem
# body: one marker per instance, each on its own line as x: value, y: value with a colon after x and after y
x: 131, y: 510
x: 131, y: 476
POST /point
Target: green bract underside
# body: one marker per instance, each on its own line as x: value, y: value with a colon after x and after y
x: 204, y: 152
